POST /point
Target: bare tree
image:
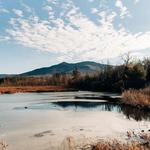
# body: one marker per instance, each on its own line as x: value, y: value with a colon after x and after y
x: 127, y: 59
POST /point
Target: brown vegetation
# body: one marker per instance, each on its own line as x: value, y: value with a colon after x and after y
x: 137, y: 97
x: 16, y: 89
x: 3, y: 145
x: 56, y: 79
x: 142, y: 144
x: 138, y: 141
x: 118, y: 146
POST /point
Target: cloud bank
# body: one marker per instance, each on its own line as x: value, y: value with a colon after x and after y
x: 73, y: 36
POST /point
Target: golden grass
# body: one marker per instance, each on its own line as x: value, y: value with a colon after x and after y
x: 137, y: 97
x: 117, y: 145
x: 134, y: 141
x: 22, y: 89
x: 3, y: 145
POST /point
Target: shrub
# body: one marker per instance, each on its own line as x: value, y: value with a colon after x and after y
x: 137, y: 97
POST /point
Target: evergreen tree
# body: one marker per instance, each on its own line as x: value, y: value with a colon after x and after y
x: 76, y: 74
x: 148, y: 74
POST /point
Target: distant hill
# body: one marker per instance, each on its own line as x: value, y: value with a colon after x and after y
x: 64, y: 67
x: 2, y: 75
x: 6, y: 75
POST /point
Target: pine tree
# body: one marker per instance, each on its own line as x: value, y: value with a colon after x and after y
x: 76, y: 74
x: 148, y: 74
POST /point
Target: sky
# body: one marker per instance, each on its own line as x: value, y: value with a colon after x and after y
x: 38, y: 33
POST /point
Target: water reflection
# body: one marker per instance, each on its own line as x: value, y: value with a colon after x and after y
x: 135, y: 113
x: 129, y: 111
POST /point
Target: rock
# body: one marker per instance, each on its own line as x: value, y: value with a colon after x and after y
x: 68, y: 144
x: 81, y: 129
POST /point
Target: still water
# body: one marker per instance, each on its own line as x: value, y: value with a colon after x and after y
x: 41, y: 121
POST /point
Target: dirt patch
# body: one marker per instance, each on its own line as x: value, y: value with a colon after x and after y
x: 41, y: 134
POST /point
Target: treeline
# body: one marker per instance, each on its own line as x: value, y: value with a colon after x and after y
x: 132, y: 74
x: 56, y: 79
x: 60, y: 79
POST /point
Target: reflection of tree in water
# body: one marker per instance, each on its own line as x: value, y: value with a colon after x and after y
x: 129, y: 111
x: 135, y: 113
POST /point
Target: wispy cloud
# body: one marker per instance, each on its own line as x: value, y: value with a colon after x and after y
x: 3, y: 10
x: 94, y: 10
x: 80, y: 38
x: 53, y: 1
x: 4, y: 38
x: 91, y: 0
x: 27, y: 8
x: 123, y: 9
x: 136, y: 1
x: 18, y: 12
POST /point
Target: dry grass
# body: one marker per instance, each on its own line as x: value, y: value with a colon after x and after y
x: 118, y: 146
x: 139, y: 141
x: 143, y: 144
x: 137, y: 97
x: 3, y: 145
x: 22, y: 89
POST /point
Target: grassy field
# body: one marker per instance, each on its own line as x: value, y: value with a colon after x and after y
x: 139, y: 97
x: 22, y: 89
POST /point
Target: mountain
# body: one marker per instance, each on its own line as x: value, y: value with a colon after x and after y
x: 2, y: 75
x: 6, y: 75
x: 83, y: 67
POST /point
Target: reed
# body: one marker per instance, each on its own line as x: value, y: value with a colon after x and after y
x: 22, y: 89
x: 137, y: 97
x: 142, y: 144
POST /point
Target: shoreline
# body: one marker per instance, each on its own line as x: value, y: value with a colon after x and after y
x: 41, y: 89
x: 32, y: 89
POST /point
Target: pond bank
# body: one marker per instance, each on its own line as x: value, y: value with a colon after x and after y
x: 112, y: 98
x: 116, y: 99
x: 30, y: 89
x: 106, y: 97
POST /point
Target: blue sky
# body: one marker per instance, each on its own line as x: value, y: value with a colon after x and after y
x: 37, y: 33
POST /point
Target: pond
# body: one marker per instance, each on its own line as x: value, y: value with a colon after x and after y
x: 41, y: 121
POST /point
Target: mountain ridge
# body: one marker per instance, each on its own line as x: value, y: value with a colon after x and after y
x: 65, y: 67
